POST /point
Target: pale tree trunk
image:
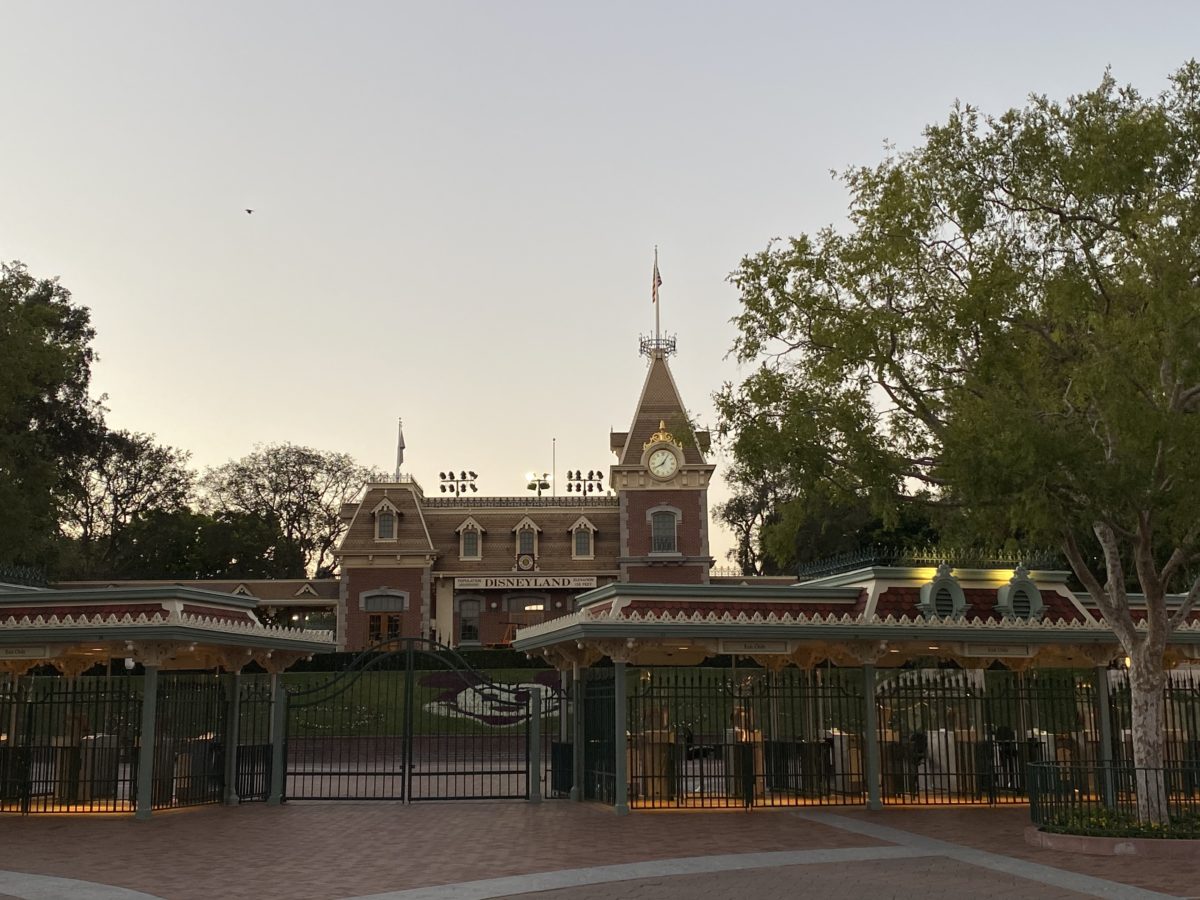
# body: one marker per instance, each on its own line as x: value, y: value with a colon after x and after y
x: 1147, y: 682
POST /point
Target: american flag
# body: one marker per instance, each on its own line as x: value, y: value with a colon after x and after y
x: 656, y: 281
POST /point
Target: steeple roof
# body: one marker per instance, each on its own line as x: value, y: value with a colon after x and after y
x: 660, y: 402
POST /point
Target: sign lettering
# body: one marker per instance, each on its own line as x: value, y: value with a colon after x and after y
x: 24, y: 652
x: 753, y: 647
x: 1019, y: 650
x: 526, y: 581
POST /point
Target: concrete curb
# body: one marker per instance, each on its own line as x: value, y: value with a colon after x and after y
x: 1147, y: 848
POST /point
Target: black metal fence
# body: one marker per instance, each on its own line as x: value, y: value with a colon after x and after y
x: 419, y: 724
x: 719, y: 738
x: 966, y: 735
x: 598, y: 696
x: 69, y: 745
x: 1103, y: 800
x: 749, y: 737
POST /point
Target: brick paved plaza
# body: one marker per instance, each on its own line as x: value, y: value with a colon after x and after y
x: 559, y: 850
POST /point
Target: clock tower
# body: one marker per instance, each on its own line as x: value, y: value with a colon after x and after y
x: 661, y: 478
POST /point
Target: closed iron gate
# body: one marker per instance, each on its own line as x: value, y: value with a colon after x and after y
x: 411, y: 720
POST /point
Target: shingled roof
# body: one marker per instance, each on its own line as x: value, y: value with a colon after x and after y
x: 660, y: 403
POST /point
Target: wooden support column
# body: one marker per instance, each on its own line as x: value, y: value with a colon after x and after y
x: 534, y: 775
x: 577, y: 734
x: 620, y: 740
x: 145, y: 776
x: 278, y: 741
x: 232, y: 738
x: 871, y: 738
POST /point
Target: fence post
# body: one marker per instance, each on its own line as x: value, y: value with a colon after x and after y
x: 279, y: 703
x: 232, y: 738
x: 621, y: 741
x: 1104, y: 711
x: 871, y: 738
x: 146, y: 743
x: 534, y: 777
x: 577, y: 735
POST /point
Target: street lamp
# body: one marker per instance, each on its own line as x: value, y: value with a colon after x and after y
x: 538, y: 481
x: 458, y: 484
x: 590, y: 483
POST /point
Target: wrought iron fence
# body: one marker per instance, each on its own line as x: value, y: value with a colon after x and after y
x: 69, y: 745
x: 599, y: 738
x: 1116, y: 800
x: 957, y: 736
x: 720, y: 738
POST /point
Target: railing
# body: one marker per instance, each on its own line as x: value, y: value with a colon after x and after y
x: 478, y: 502
x: 961, y: 557
x: 1115, y: 800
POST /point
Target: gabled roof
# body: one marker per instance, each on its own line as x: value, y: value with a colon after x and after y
x: 469, y: 522
x: 582, y: 522
x: 660, y: 402
x: 526, y: 523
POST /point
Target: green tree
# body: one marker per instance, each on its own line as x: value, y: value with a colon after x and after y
x: 185, y: 544
x: 124, y: 478
x: 47, y: 420
x: 1011, y: 324
x: 300, y: 488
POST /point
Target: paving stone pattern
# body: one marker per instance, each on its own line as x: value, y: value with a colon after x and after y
x: 329, y: 851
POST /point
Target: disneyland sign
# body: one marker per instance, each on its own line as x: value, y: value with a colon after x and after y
x: 524, y: 582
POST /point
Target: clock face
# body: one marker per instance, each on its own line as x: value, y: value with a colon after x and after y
x: 662, y: 463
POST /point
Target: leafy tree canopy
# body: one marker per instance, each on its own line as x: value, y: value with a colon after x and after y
x: 190, y: 545
x: 300, y: 488
x: 122, y: 480
x: 1011, y: 325
x: 47, y: 420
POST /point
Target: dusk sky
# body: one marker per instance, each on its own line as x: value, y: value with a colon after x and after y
x: 456, y: 205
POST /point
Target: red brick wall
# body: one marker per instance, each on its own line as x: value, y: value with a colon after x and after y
x: 691, y: 525
x: 360, y: 580
x: 665, y: 574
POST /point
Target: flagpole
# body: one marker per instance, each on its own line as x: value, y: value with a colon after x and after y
x: 657, y: 330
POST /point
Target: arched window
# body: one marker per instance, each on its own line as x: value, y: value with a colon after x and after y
x: 583, y: 539
x: 525, y: 541
x: 470, y: 539
x: 385, y: 526
x: 663, y: 533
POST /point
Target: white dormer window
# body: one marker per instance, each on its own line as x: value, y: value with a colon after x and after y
x: 386, y: 518
x: 526, y: 532
x: 470, y: 539
x: 583, y: 539
x: 1020, y: 598
x: 943, y: 597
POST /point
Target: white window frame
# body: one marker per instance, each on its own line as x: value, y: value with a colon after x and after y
x: 469, y: 524
x: 386, y: 506
x: 526, y: 524
x: 584, y: 525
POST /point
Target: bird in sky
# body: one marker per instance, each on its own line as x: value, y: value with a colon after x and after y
x: 249, y: 211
